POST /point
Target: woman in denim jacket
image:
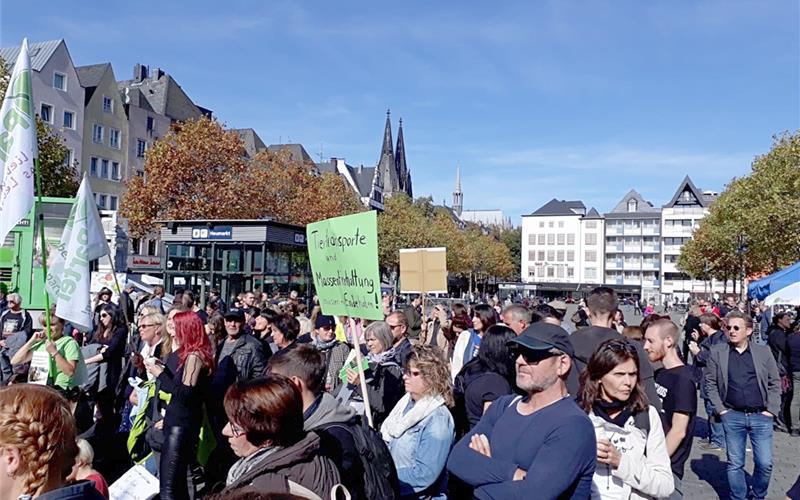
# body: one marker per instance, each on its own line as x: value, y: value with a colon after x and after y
x: 419, y: 431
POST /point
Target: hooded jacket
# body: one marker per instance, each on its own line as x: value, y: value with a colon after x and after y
x: 330, y: 420
x: 280, y: 472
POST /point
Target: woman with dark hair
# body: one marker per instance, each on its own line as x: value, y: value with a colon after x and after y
x: 285, y: 330
x: 632, y: 456
x: 111, y: 333
x: 708, y: 334
x: 469, y: 342
x: 484, y: 379
x: 265, y: 430
x: 188, y: 387
x: 103, y: 298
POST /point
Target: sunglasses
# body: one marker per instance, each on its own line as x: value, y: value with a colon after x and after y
x: 104, y: 315
x: 735, y: 328
x: 621, y: 346
x: 530, y: 356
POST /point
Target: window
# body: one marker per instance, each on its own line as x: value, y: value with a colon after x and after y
x: 570, y: 255
x: 151, y: 247
x: 151, y: 125
x: 560, y: 272
x: 101, y: 201
x: 591, y: 224
x: 570, y: 239
x: 561, y: 223
x: 531, y: 239
x: 139, y: 173
x: 551, y: 239
x: 69, y: 157
x: 541, y: 223
x: 570, y: 272
x: 115, y: 170
x: 591, y: 273
x: 531, y: 273
x: 141, y: 147
x: 590, y: 255
x: 551, y: 255
x: 136, y: 246
x: 540, y: 255
x: 69, y: 120
x: 560, y: 238
x: 540, y: 271
x: 46, y: 113
x: 113, y: 138
x: 104, y: 168
x: 632, y: 205
x: 541, y: 239
x: 591, y: 239
x: 112, y: 202
x: 93, y: 166
x: 97, y: 133
x: 550, y: 272
x: 531, y: 255
x: 59, y: 81
x: 108, y: 104
x: 550, y: 224
x: 560, y: 256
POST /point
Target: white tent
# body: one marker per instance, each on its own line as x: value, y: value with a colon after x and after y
x: 788, y: 295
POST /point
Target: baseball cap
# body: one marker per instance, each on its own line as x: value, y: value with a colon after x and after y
x: 235, y: 314
x: 324, y: 320
x: 559, y: 305
x: 542, y: 336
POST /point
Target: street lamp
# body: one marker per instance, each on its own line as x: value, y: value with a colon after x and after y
x: 741, y: 249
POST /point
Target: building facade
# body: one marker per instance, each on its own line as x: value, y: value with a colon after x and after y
x: 57, y: 92
x: 105, y: 135
x: 562, y: 247
x: 633, y: 247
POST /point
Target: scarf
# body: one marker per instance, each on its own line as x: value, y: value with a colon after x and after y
x: 399, y: 420
x: 381, y: 357
x: 602, y: 409
x: 322, y: 345
x: 246, y: 464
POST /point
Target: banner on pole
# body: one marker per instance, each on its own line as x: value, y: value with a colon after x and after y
x: 344, y: 262
x: 423, y: 270
x: 83, y: 241
x: 17, y: 145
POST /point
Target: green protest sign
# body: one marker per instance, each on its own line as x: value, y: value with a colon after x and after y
x: 344, y: 261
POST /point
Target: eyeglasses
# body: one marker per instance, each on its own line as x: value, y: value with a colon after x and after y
x: 236, y: 430
x: 532, y: 357
x: 621, y: 346
x: 392, y: 326
x: 735, y: 328
x: 104, y: 315
x: 146, y: 326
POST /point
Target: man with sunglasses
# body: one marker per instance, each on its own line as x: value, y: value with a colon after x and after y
x: 541, y: 445
x: 744, y: 387
x: 16, y: 328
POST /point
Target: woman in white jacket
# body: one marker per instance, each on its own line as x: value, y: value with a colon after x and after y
x: 632, y: 457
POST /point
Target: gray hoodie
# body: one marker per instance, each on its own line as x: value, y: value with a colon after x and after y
x: 329, y: 411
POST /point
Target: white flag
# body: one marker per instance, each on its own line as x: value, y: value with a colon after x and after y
x: 17, y: 146
x: 83, y: 241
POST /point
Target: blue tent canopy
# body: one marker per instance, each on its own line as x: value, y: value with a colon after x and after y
x: 761, y: 289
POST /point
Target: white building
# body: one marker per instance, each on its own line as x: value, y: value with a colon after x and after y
x: 679, y: 218
x: 562, y: 247
x: 633, y: 247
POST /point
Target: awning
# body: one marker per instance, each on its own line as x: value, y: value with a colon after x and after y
x: 768, y: 285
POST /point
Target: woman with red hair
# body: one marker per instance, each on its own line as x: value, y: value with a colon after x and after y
x: 188, y: 387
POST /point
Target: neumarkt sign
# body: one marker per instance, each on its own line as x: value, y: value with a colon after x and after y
x: 344, y: 261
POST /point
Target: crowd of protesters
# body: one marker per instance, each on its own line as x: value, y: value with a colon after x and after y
x: 263, y: 395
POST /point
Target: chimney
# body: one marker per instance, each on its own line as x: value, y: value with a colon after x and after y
x: 140, y: 72
x: 158, y: 73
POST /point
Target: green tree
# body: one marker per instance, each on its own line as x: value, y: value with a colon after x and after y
x: 402, y: 224
x: 58, y: 178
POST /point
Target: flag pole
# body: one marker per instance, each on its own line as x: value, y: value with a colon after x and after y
x: 40, y: 215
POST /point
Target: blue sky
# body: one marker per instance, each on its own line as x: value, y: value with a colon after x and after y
x: 533, y: 100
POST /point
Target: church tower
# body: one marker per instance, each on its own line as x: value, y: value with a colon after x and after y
x: 458, y: 196
x: 386, y: 165
x: 403, y: 174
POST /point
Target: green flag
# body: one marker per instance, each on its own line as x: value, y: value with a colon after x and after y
x: 344, y: 261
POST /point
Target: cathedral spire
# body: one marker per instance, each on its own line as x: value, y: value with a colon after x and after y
x: 400, y: 161
x: 386, y: 164
x: 458, y: 196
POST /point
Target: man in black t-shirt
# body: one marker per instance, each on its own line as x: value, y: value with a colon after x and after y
x: 678, y: 394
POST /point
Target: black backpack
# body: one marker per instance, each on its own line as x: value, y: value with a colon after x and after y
x: 380, y: 475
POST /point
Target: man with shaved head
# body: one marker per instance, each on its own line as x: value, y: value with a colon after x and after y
x: 676, y: 388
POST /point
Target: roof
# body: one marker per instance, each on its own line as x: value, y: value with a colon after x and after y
x: 296, y: 152
x: 592, y: 214
x: 90, y: 77
x: 166, y: 97
x: 252, y: 142
x: 561, y: 207
x: 642, y: 205
x: 695, y: 196
x: 39, y: 53
x: 362, y: 176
